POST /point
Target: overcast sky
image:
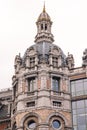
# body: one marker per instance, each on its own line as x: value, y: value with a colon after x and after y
x: 18, y: 29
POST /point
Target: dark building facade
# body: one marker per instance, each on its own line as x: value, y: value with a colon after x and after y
x: 48, y: 92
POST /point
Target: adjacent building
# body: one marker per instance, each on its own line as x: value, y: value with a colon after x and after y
x: 48, y: 92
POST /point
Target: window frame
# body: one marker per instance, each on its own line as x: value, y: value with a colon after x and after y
x: 45, y: 27
x: 31, y: 84
x: 41, y: 26
x: 56, y: 84
x: 55, y: 61
x: 30, y: 104
x: 32, y: 62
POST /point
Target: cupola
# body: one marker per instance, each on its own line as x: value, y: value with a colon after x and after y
x: 44, y: 28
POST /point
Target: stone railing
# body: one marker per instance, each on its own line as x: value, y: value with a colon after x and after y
x: 5, y: 89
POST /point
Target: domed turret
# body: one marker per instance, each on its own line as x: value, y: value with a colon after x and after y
x: 41, y: 84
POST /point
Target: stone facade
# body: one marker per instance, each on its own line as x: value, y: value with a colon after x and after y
x: 41, y: 98
x: 41, y: 93
x: 5, y: 108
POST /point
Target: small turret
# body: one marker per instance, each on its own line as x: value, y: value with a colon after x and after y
x: 17, y: 63
x: 84, y: 58
x: 70, y: 61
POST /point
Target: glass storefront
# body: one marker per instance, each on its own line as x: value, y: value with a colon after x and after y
x: 79, y: 107
x: 79, y: 87
x: 79, y: 111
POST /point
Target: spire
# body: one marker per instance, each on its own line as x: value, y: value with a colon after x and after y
x: 44, y: 9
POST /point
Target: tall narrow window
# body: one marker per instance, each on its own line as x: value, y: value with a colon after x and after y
x: 41, y: 26
x: 32, y: 62
x: 45, y: 26
x: 55, y: 84
x: 31, y: 84
x: 55, y: 61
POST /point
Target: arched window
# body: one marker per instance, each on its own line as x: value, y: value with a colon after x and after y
x: 31, y: 123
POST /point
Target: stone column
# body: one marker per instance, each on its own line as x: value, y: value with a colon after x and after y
x: 27, y: 63
x: 50, y: 61
x: 36, y: 61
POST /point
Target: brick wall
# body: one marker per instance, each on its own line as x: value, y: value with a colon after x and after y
x: 3, y: 125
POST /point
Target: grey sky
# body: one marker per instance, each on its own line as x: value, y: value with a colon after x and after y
x: 18, y: 29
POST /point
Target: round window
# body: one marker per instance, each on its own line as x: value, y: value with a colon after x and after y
x: 56, y: 124
x: 31, y: 124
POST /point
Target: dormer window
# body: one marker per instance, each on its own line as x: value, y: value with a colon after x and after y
x: 32, y: 62
x: 55, y: 61
x: 31, y: 84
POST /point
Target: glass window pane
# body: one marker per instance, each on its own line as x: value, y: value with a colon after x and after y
x: 31, y: 84
x: 74, y: 105
x: 75, y: 128
x: 86, y: 110
x: 79, y: 86
x: 85, y: 92
x: 86, y: 103
x: 55, y: 84
x: 80, y: 104
x: 82, y: 127
x: 73, y: 94
x: 74, y: 111
x: 85, y: 85
x: 81, y: 111
x: 81, y: 120
x: 85, y: 80
x: 73, y: 88
x: 79, y: 93
x: 79, y: 81
x: 56, y: 124
x: 74, y: 120
x: 86, y: 118
x: 72, y: 83
x: 31, y: 124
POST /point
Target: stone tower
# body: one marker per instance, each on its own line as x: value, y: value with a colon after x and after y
x: 41, y: 95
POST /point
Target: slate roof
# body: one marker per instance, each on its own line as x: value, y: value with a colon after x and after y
x: 43, y: 50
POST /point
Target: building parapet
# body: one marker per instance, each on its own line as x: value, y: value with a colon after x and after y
x: 5, y: 90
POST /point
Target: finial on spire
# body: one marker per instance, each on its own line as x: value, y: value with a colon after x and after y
x: 44, y: 7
